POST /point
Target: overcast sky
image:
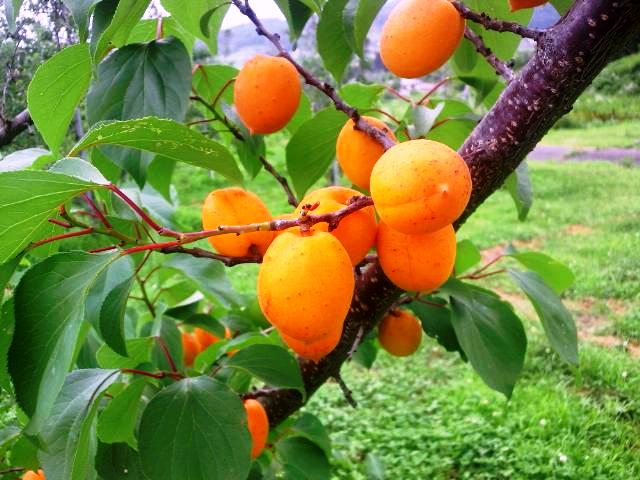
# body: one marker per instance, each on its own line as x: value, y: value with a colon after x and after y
x: 264, y: 9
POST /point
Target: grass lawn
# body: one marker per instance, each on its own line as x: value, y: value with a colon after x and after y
x: 605, y: 135
x: 430, y: 416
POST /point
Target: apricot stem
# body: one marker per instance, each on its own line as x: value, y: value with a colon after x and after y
x: 346, y: 391
x: 77, y: 233
x: 498, y: 65
x: 497, y: 25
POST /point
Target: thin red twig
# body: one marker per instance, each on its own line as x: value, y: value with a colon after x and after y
x: 77, y: 233
x: 96, y: 210
x: 167, y: 354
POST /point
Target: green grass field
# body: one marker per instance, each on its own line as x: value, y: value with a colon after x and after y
x: 429, y: 416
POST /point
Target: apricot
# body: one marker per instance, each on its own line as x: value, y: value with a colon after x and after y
x: 267, y: 93
x: 305, y: 284
x: 190, y: 348
x: 420, y: 262
x: 258, y: 424
x: 235, y: 206
x: 420, y: 186
x: 204, y: 338
x: 420, y: 36
x: 356, y: 232
x: 357, y: 152
x: 31, y: 475
x: 316, y: 349
x: 520, y: 4
x: 400, y: 333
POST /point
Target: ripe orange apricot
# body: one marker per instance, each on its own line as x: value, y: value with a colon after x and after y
x: 420, y: 262
x: 190, y: 348
x: 305, y: 284
x: 357, y: 152
x: 204, y: 338
x: 31, y: 475
x: 258, y: 424
x: 520, y: 4
x: 267, y: 93
x: 420, y: 36
x: 235, y: 206
x: 316, y: 349
x: 356, y: 232
x: 420, y: 186
x: 400, y: 333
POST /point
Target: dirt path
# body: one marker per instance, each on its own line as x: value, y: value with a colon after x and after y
x: 557, y: 152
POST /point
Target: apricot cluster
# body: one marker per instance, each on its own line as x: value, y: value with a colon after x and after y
x: 197, y: 341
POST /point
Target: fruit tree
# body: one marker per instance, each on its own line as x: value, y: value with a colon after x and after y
x: 125, y: 347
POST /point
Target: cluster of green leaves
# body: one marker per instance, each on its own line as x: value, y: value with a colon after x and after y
x: 91, y: 342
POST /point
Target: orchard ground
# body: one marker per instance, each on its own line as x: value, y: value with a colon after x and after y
x: 430, y: 416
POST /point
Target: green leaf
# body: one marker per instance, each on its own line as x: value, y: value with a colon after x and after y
x: 164, y: 137
x: 118, y: 461
x: 81, y: 11
x: 313, y: 147
x: 11, y: 11
x: 190, y: 18
x: 271, y: 364
x: 208, y: 82
x: 7, y: 270
x: 79, y: 168
x: 562, y: 5
x: 437, y: 323
x: 423, y: 119
x: 213, y: 352
x: 373, y: 467
x: 203, y: 433
x: 138, y: 352
x: 106, y: 302
x: 167, y: 330
x: 297, y: 15
x: 25, y: 453
x: 49, y: 308
x: 490, y: 334
x: 69, y: 434
x: 56, y: 90
x: 146, y: 31
x: 159, y: 175
x: 556, y: 319
x: 366, y: 354
x: 332, y: 42
x: 360, y: 95
x: 7, y: 436
x: 24, y: 159
x: 137, y: 81
x: 518, y: 184
x: 311, y: 428
x: 28, y: 198
x: 124, y: 19
x: 302, y: 459
x: 467, y: 256
x: 7, y: 325
x: 209, y: 277
x: 555, y: 274
x: 460, y: 122
x: 117, y: 422
x: 362, y: 20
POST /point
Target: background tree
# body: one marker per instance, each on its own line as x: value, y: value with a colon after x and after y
x: 116, y: 327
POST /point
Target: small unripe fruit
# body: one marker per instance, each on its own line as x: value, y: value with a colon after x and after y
x: 305, y: 284
x: 31, y: 475
x: 190, y: 348
x: 357, y: 152
x: 316, y: 349
x: 400, y: 333
x: 258, y: 424
x: 421, y: 262
x: 356, y: 231
x: 420, y: 186
x: 267, y: 93
x: 235, y: 206
x: 420, y: 36
x: 520, y: 4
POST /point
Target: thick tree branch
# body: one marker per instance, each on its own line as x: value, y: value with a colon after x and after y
x: 498, y: 65
x: 571, y: 55
x: 361, y: 124
x: 10, y: 129
x: 497, y: 25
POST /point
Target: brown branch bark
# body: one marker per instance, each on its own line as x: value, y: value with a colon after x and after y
x: 498, y: 65
x: 497, y: 25
x: 10, y: 129
x: 570, y: 55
